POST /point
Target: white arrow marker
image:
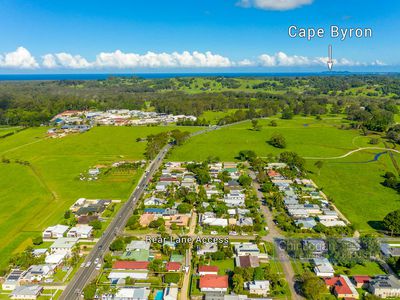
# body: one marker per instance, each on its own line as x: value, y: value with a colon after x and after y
x: 330, y: 61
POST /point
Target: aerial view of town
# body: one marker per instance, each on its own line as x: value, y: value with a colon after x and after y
x: 267, y: 168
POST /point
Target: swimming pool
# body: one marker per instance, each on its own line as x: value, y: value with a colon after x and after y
x: 159, y: 295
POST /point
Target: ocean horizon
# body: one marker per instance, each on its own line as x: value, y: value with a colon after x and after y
x: 104, y: 76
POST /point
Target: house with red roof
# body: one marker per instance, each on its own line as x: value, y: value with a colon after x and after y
x: 207, y: 270
x: 342, y: 287
x: 214, y: 283
x: 130, y: 265
x: 361, y: 281
x: 173, y: 266
x: 128, y: 269
x: 273, y: 173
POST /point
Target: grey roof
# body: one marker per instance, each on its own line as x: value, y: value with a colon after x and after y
x: 26, y: 290
x: 384, y: 281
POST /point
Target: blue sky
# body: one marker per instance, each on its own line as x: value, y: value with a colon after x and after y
x: 250, y: 35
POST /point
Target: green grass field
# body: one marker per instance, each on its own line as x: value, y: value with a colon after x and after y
x: 370, y: 268
x: 215, y: 116
x: 35, y: 196
x: 354, y: 182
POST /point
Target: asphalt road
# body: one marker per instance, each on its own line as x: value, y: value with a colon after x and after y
x: 87, y: 273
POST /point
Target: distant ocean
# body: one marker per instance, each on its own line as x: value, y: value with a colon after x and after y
x: 38, y: 77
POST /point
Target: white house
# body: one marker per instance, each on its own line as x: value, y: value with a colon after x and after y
x: 171, y: 292
x: 333, y: 223
x: 257, y: 287
x: 55, y: 259
x: 385, y: 286
x: 154, y: 201
x: 63, y: 245
x: 138, y: 245
x: 323, y: 268
x: 81, y: 231
x: 129, y: 293
x: 207, y: 248
x: 247, y: 249
x: 37, y: 273
x: 327, y: 218
x: 26, y: 292
x: 215, y: 222
x: 210, y: 219
x: 244, y: 222
x: 117, y: 275
x: 54, y: 232
x: 12, y: 280
x: 234, y: 199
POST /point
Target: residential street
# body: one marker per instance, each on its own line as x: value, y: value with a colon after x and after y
x: 275, y: 236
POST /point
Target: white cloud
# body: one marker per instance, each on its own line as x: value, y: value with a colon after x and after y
x: 49, y: 61
x: 65, y: 60
x: 21, y: 58
x: 246, y: 63
x: 281, y: 59
x: 274, y: 4
x: 119, y: 59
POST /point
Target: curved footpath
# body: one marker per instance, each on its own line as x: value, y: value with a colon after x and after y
x: 353, y: 151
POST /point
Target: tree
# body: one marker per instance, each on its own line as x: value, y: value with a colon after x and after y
x: 117, y: 245
x: 370, y: 245
x: 287, y: 114
x: 313, y: 287
x: 156, y: 265
x: 89, y: 292
x: 278, y: 141
x: 245, y: 180
x: 156, y: 223
x: 248, y: 155
x: 238, y: 282
x: 374, y: 141
x: 184, y: 208
x: 171, y: 278
x: 37, y: 240
x: 259, y: 273
x: 392, y: 222
x: 319, y: 164
x: 67, y: 214
x: 293, y: 160
x: 108, y: 260
x: 96, y: 224
x: 273, y: 123
x: 255, y: 125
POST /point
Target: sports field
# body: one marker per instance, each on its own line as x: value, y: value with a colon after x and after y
x: 353, y: 182
x: 36, y: 195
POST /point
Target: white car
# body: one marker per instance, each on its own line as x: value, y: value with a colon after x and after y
x: 233, y: 233
x: 244, y: 233
x: 214, y: 232
x: 98, y: 267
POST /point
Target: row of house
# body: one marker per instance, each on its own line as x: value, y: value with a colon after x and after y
x: 384, y: 286
x: 215, y: 286
x: 81, y: 231
x: 303, y: 202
